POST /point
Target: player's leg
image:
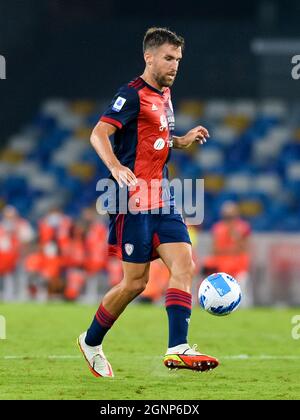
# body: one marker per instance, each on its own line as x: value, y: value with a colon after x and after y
x: 134, y: 247
x: 112, y: 305
x: 116, y: 299
x: 178, y: 259
x: 176, y: 252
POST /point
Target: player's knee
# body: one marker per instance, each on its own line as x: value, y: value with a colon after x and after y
x: 135, y: 287
x: 185, y: 272
x: 192, y: 268
x: 138, y: 287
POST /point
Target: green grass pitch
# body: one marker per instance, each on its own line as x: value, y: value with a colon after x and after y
x: 39, y: 359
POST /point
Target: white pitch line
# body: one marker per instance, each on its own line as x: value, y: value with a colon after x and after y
x: 232, y: 357
x: 67, y: 356
x: 260, y: 357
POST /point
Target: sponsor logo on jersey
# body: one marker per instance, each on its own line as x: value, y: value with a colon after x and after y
x: 119, y: 103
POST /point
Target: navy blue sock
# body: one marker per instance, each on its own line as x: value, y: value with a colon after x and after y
x: 101, y: 324
x: 179, y: 309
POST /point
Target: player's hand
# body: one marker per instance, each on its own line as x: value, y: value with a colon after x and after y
x: 123, y: 175
x: 198, y: 134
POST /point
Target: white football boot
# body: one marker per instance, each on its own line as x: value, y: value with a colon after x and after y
x: 98, y: 364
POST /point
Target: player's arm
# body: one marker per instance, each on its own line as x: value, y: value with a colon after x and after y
x: 197, y: 134
x: 101, y: 143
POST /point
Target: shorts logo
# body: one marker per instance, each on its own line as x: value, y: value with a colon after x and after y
x: 159, y: 144
x: 119, y: 103
x: 129, y: 249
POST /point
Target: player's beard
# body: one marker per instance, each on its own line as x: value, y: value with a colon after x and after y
x: 164, y: 80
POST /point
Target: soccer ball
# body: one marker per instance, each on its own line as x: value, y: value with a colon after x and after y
x: 219, y: 294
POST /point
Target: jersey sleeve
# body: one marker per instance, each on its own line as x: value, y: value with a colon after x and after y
x: 123, y: 108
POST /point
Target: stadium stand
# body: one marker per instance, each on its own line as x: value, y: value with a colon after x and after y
x: 252, y: 158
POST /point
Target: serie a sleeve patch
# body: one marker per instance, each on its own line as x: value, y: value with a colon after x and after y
x: 119, y: 103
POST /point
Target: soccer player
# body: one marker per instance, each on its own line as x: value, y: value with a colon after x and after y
x: 142, y: 121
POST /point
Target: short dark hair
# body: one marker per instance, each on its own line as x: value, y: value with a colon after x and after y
x: 155, y: 37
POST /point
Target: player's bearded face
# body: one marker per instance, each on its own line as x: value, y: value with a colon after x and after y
x: 165, y: 64
x: 165, y: 80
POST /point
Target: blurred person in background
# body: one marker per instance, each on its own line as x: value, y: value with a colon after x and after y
x: 95, y: 233
x: 45, y: 267
x: 55, y: 226
x: 16, y: 238
x: 85, y: 253
x: 11, y: 221
x: 231, y: 249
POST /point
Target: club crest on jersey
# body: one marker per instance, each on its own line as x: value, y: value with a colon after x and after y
x: 119, y: 103
x: 159, y: 144
x: 129, y: 249
x: 154, y: 107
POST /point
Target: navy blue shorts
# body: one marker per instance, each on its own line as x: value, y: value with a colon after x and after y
x: 135, y: 237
